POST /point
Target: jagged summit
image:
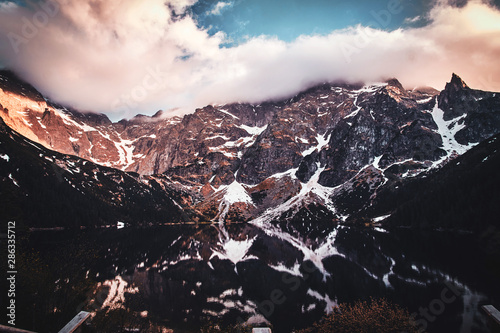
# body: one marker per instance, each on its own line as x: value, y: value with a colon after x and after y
x: 395, y: 83
x: 140, y: 118
x: 426, y: 90
x: 456, y: 83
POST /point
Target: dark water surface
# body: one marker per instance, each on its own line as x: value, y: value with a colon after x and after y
x: 184, y: 275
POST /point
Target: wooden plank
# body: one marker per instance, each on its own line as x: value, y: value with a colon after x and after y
x: 492, y: 312
x: 10, y: 329
x: 261, y: 330
x: 75, y: 322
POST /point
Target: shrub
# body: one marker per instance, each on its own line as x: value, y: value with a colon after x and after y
x: 376, y: 316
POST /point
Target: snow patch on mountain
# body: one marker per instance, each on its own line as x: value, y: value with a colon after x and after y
x: 68, y: 121
x: 425, y: 100
x: 223, y: 137
x: 322, y: 143
x: 309, y: 191
x: 253, y: 130
x: 290, y: 173
x: 126, y: 152
x: 222, y: 150
x: 233, y: 193
x: 13, y: 180
x: 314, y: 187
x: 381, y: 218
x: 448, y: 130
x: 356, y: 111
x: 376, y: 162
x: 236, y: 192
x: 228, y: 113
x: 371, y: 87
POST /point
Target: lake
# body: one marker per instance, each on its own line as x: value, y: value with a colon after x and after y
x: 289, y: 276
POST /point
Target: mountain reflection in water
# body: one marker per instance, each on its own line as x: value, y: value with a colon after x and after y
x: 289, y: 276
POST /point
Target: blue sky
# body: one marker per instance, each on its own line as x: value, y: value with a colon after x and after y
x: 288, y: 19
x: 124, y: 57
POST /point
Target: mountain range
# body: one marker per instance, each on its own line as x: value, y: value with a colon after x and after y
x: 336, y: 153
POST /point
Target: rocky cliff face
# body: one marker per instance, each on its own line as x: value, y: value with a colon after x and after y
x: 43, y: 188
x: 331, y: 147
x: 479, y: 111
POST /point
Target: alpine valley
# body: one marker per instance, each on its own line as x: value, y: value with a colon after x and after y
x: 342, y: 192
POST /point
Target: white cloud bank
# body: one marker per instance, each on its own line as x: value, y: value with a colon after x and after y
x: 129, y: 56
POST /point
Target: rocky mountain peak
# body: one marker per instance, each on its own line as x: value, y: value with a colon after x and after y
x: 395, y: 83
x: 395, y: 89
x: 458, y: 99
x: 140, y: 118
x: 456, y: 83
x: 426, y: 90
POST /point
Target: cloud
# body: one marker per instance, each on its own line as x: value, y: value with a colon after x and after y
x: 125, y: 57
x: 217, y: 10
x: 464, y: 40
x: 8, y: 6
x: 411, y: 20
